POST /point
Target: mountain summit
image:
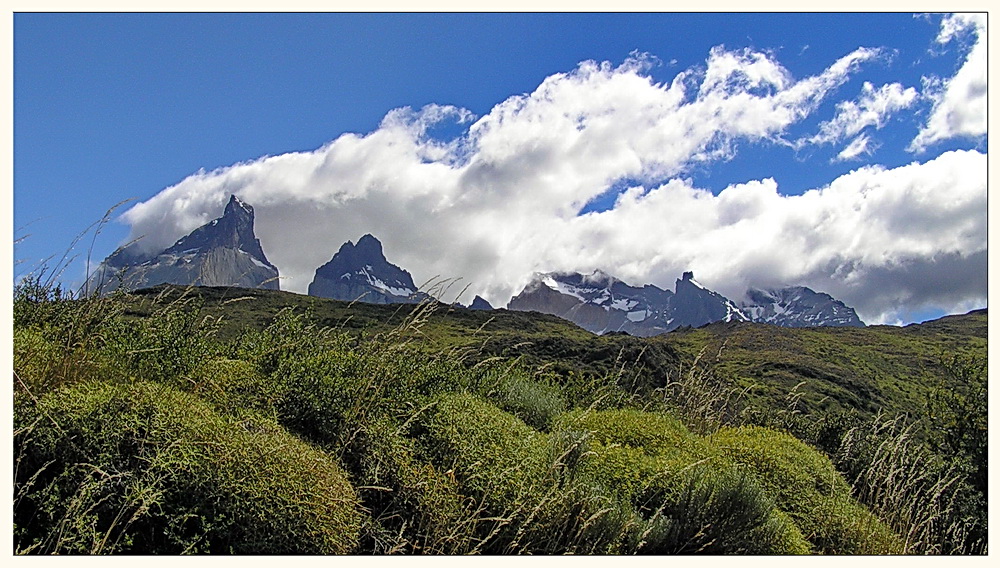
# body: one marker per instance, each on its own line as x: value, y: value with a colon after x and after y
x: 361, y: 272
x: 223, y: 252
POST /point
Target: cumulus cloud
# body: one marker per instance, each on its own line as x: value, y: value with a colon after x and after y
x: 504, y: 200
x: 959, y: 103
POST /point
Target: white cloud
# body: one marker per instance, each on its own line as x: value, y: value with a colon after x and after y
x: 860, y: 145
x: 872, y: 109
x: 959, y: 103
x: 502, y: 202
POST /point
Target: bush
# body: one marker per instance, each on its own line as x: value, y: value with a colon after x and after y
x: 235, y: 387
x: 414, y: 507
x: 713, y: 509
x: 535, y: 401
x: 325, y: 397
x: 805, y: 485
x: 928, y: 500
x: 39, y: 364
x: 653, y: 433
x: 144, y: 468
x: 494, y: 455
x: 683, y: 499
x: 167, y: 347
x: 525, y: 498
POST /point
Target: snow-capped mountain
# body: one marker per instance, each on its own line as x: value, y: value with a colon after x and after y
x: 223, y: 252
x: 798, y: 306
x: 361, y: 272
x: 601, y: 303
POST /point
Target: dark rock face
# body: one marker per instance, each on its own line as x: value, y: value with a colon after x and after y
x: 361, y: 272
x: 478, y: 303
x: 695, y: 305
x: 798, y: 306
x: 603, y: 304
x: 224, y: 252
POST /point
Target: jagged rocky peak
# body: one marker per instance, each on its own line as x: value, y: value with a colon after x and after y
x: 223, y: 252
x: 233, y: 230
x: 361, y: 272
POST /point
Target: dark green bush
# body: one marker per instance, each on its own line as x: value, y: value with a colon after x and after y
x: 144, y: 468
x: 713, y: 509
x: 325, y: 397
x: 414, y: 507
x: 166, y: 347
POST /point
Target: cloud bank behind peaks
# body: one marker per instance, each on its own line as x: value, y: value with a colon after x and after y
x: 504, y: 199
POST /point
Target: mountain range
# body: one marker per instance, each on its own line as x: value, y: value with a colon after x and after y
x: 601, y: 303
x: 226, y: 252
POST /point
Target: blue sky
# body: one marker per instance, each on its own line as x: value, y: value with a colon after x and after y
x: 109, y: 107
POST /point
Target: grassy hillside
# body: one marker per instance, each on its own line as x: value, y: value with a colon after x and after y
x: 213, y: 420
x: 868, y: 369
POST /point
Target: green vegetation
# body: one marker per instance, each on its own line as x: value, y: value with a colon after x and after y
x: 214, y: 420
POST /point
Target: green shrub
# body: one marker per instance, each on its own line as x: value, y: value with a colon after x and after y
x: 683, y: 499
x: 144, y: 468
x: 39, y: 364
x: 653, y: 433
x: 235, y: 387
x: 326, y: 397
x: 925, y: 498
x: 524, y: 498
x: 805, y: 485
x: 414, y: 507
x: 496, y: 456
x: 713, y: 509
x: 534, y: 400
x: 166, y: 347
x: 286, y: 338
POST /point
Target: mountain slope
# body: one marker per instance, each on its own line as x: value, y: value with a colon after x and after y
x: 224, y: 252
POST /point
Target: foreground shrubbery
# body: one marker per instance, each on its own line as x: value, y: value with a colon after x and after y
x: 147, y: 435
